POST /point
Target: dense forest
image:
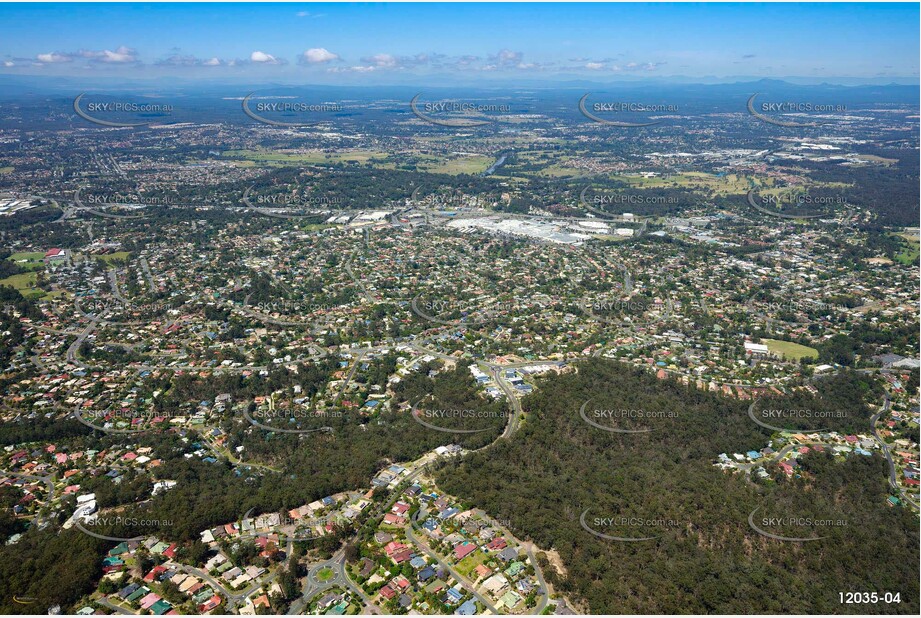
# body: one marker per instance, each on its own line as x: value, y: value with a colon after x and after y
x: 707, y: 559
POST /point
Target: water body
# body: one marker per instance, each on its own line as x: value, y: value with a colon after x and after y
x: 496, y: 165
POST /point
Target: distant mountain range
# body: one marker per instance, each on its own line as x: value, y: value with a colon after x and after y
x: 853, y: 89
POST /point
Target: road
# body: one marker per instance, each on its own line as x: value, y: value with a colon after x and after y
x: 47, y: 480
x: 361, y: 353
x: 145, y: 267
x: 529, y: 550
x: 314, y: 585
x: 75, y: 346
x: 893, y: 474
x: 361, y: 285
x: 515, y: 416
x: 463, y: 580
x: 118, y: 609
x: 495, y: 370
x: 116, y: 291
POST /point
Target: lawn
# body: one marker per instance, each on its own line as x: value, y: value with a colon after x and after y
x: 729, y: 184
x: 466, y: 566
x: 118, y: 255
x: 790, y: 351
x: 909, y: 254
x: 31, y: 260
x: 458, y: 164
x: 295, y: 158
x: 25, y: 283
x: 325, y: 574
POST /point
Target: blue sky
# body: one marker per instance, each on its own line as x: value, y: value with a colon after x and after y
x: 390, y: 43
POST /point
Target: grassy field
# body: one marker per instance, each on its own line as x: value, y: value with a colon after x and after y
x: 283, y: 158
x: 6, y: 170
x: 559, y: 170
x: 33, y: 260
x: 325, y: 574
x: 730, y: 184
x: 909, y: 255
x: 25, y: 283
x: 790, y: 351
x: 466, y: 566
x: 456, y: 164
x: 118, y: 255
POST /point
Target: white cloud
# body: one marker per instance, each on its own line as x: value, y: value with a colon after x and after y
x: 263, y: 58
x: 122, y: 55
x: 383, y: 61
x: 594, y: 66
x: 318, y: 55
x: 54, y: 58
x: 507, y: 57
x: 354, y: 69
x: 177, y: 60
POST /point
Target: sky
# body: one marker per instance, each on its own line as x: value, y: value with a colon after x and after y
x: 393, y: 43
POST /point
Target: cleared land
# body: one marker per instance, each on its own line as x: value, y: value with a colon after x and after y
x: 789, y: 350
x: 909, y: 254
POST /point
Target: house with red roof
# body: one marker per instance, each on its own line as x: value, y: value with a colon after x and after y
x: 394, y: 520
x: 402, y: 556
x: 210, y: 604
x: 154, y: 572
x: 464, y: 549
x: 393, y: 547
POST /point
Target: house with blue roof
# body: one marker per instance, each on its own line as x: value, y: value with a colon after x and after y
x: 467, y: 608
x: 426, y: 574
x: 417, y: 563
